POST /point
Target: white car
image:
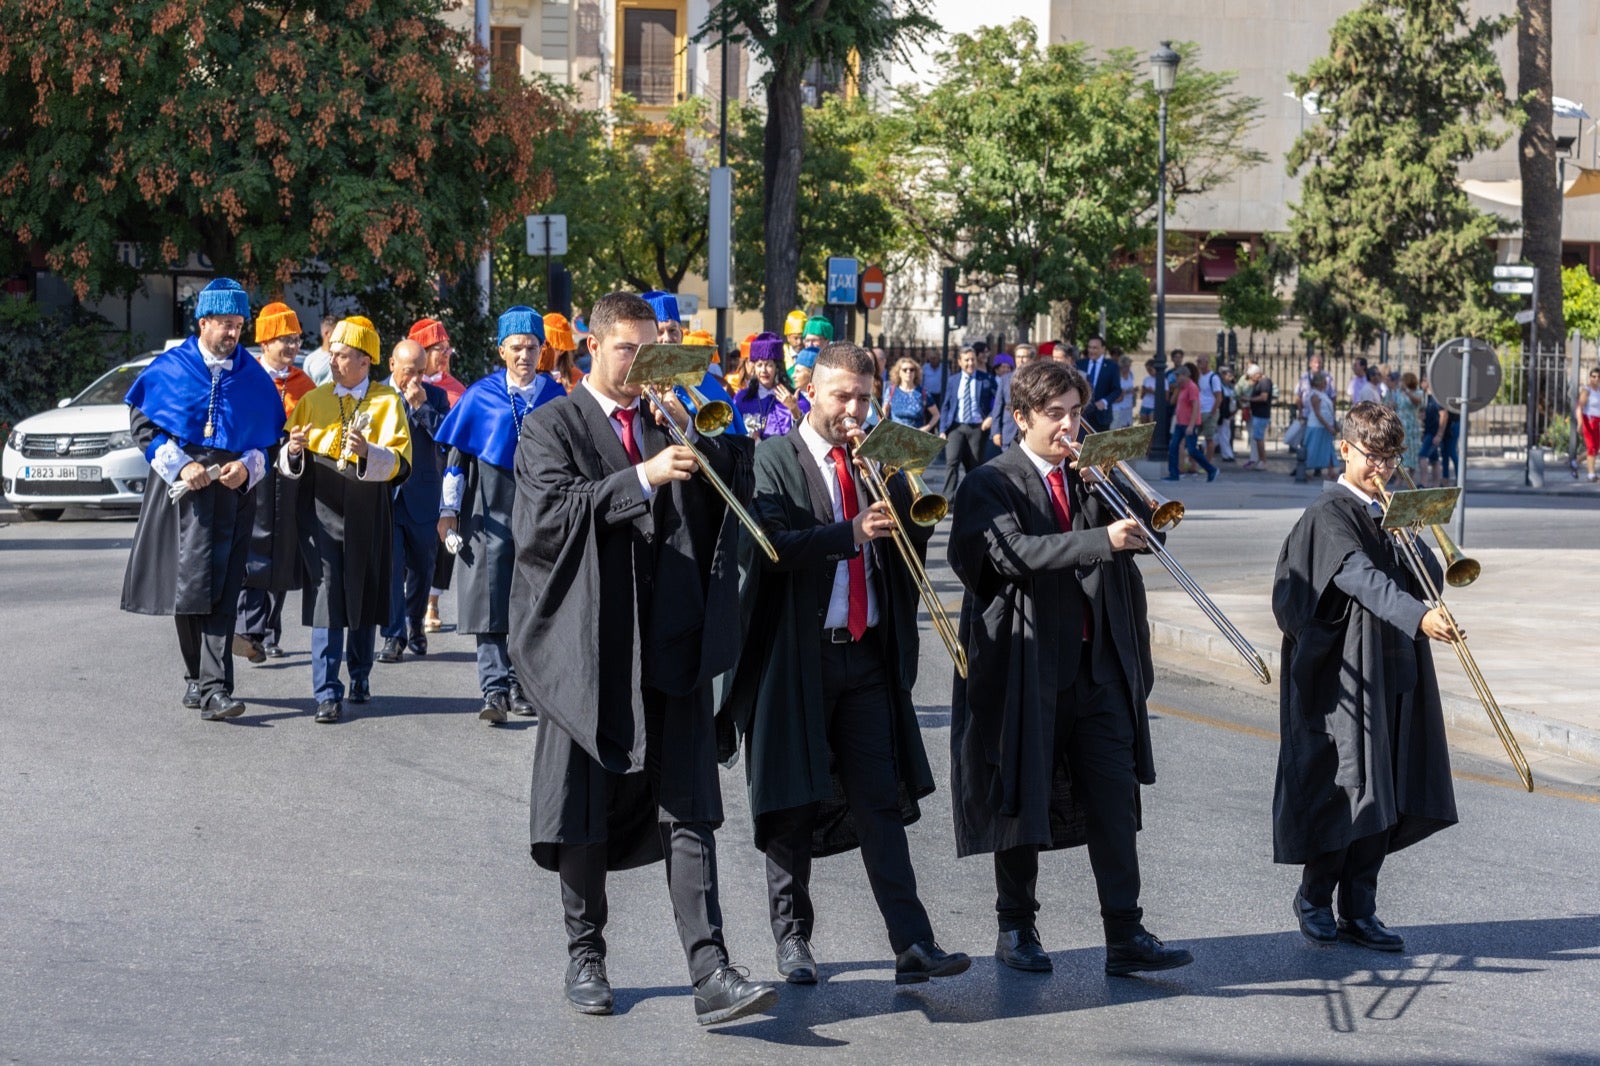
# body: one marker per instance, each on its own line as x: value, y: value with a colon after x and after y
x: 79, y: 455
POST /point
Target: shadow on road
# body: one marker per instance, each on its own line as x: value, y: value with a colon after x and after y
x: 1360, y: 988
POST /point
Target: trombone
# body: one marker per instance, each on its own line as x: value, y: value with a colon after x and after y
x: 1460, y: 569
x: 1165, y: 514
x: 1100, y: 483
x: 710, y: 416
x: 927, y: 508
x: 710, y: 412
x: 1406, y: 538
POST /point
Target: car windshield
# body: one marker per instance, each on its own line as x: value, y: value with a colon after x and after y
x: 111, y: 388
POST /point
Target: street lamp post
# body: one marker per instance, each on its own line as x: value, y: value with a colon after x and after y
x: 1164, y: 72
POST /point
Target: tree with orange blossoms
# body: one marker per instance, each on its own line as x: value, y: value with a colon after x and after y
x: 268, y: 136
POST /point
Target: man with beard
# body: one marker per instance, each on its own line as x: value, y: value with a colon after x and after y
x: 626, y: 570
x: 480, y: 489
x: 822, y: 701
x: 204, y: 414
x: 349, y: 446
x: 273, y: 568
x: 1049, y: 733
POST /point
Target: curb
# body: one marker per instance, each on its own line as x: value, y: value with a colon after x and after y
x: 1532, y: 730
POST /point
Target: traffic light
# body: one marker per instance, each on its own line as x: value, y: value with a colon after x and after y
x: 960, y: 314
x: 948, y: 301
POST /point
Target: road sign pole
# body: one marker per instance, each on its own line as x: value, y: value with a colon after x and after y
x: 1530, y: 396
x: 1459, y: 519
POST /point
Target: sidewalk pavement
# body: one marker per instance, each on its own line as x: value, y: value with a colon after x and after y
x: 1526, y: 617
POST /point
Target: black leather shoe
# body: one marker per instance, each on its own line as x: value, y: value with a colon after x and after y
x: 191, y: 696
x: 587, y: 988
x: 392, y: 651
x: 248, y: 649
x: 519, y: 703
x: 1316, y: 923
x: 925, y: 959
x: 795, y: 962
x: 1020, y: 949
x: 418, y: 644
x: 1142, y: 954
x: 360, y: 692
x: 272, y: 650
x: 220, y: 705
x: 729, y: 994
x: 1370, y: 933
x: 494, y: 708
x: 329, y: 711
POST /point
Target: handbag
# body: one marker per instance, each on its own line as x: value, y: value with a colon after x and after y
x: 1295, y: 433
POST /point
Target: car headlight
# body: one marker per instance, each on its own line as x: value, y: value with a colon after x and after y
x: 15, y: 440
x: 120, y: 440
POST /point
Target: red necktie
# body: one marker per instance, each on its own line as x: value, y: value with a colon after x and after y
x: 1058, y: 503
x: 1058, y: 499
x: 857, y: 620
x: 625, y: 416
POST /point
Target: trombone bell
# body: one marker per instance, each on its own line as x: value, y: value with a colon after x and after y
x: 1164, y: 513
x: 711, y: 417
x: 927, y: 508
x: 1460, y: 569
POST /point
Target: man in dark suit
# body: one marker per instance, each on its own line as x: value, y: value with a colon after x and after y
x: 624, y: 583
x: 1002, y: 427
x: 964, y: 418
x: 822, y: 699
x: 1049, y: 734
x: 416, y: 505
x: 1105, y: 384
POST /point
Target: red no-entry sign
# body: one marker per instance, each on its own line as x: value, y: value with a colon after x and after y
x: 872, y: 288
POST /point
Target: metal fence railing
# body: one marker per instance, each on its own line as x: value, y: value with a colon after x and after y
x: 1504, y: 428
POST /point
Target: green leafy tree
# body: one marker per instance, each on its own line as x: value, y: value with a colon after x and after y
x: 265, y: 136
x: 1249, y: 299
x: 1035, y: 167
x: 1580, y: 298
x: 634, y: 194
x: 843, y: 183
x: 788, y: 37
x: 1385, y: 237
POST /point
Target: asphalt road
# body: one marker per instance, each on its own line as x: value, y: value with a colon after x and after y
x: 270, y: 890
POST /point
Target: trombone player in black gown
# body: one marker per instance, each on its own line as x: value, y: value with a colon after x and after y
x: 822, y: 697
x: 1049, y: 737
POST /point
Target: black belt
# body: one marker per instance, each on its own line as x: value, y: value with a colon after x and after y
x: 841, y: 635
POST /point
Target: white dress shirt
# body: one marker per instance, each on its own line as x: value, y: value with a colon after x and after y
x: 607, y: 407
x: 838, y: 616
x: 1044, y: 467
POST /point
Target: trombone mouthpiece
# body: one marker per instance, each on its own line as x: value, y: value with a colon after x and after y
x: 849, y: 422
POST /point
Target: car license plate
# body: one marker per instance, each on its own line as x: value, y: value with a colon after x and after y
x: 61, y: 473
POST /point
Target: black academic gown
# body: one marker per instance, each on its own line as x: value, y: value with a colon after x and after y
x: 188, y: 557
x: 1361, y: 733
x: 1027, y: 586
x: 625, y: 609
x: 273, y: 562
x: 774, y: 704
x: 346, y: 531
x: 488, y: 552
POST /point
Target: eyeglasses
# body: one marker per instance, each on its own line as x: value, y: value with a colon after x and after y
x: 1389, y: 461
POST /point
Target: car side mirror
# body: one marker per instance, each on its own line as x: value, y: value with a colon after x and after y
x: 64, y: 401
